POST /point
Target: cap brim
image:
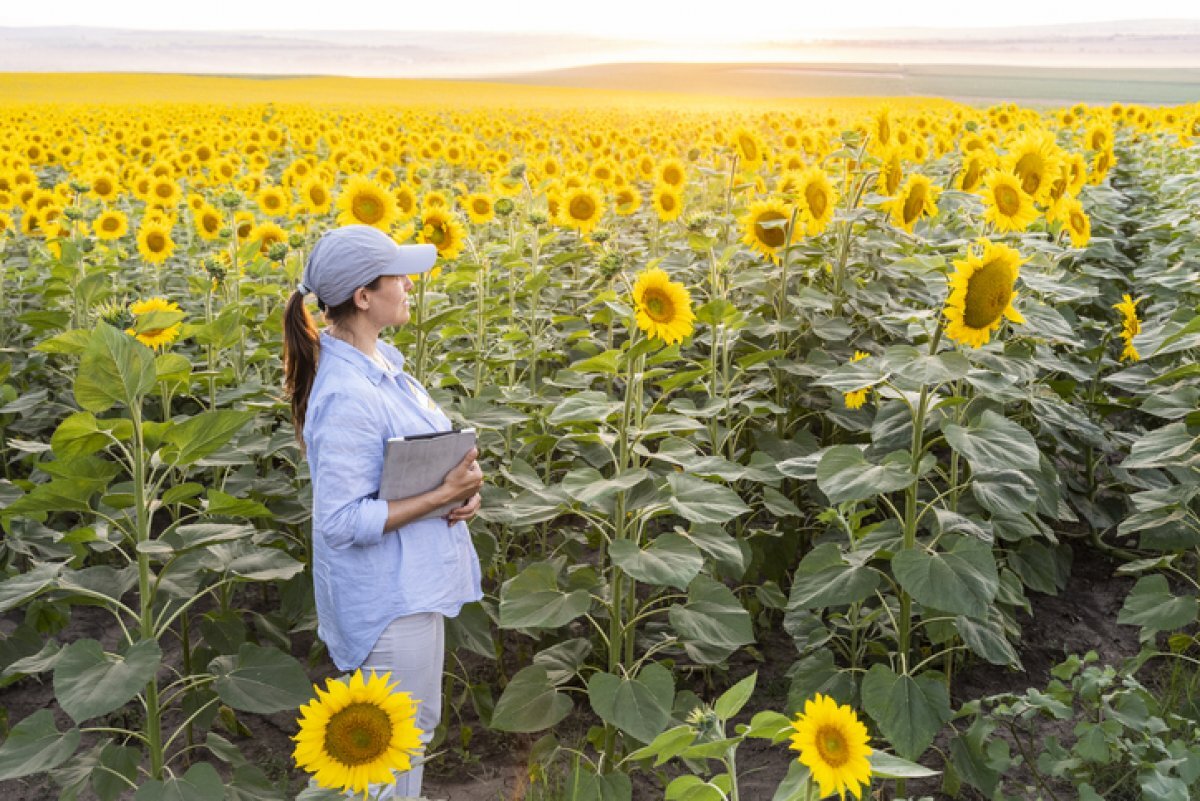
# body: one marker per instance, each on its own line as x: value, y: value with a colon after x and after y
x: 413, y: 259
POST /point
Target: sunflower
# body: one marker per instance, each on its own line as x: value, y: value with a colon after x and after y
x: 364, y: 202
x: 1069, y: 211
x: 672, y: 173
x: 154, y: 241
x: 815, y: 200
x: 110, y: 225
x: 765, y: 228
x: 435, y: 200
x: 208, y: 222
x: 441, y: 228
x: 581, y: 208
x: 481, y: 208
x: 981, y: 293
x: 243, y: 223
x: 267, y: 234
x: 1036, y: 160
x: 273, y: 200
x: 748, y: 147
x: 105, y: 187
x: 856, y: 398
x: 917, y: 199
x: 154, y: 337
x: 627, y: 200
x: 891, y: 171
x: 1101, y: 164
x: 974, y: 170
x: 357, y: 733
x: 1005, y: 203
x: 832, y: 742
x: 667, y: 201
x: 664, y: 307
x: 164, y: 192
x: 1130, y: 327
x: 7, y: 225
x: 406, y: 201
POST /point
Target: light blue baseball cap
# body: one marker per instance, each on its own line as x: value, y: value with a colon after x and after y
x: 355, y: 255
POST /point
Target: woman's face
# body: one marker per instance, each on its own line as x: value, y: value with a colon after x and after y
x: 389, y: 303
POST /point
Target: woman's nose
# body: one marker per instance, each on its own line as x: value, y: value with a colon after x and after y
x: 408, y: 284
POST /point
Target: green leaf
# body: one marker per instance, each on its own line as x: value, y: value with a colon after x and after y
x: 1151, y: 605
x: 994, y: 443
x: 986, y: 639
x: 192, y: 440
x: 221, y: 504
x: 200, y: 783
x: 844, y: 474
x: 671, y: 560
x: 34, y: 746
x: 264, y: 564
x: 701, y: 501
x: 1169, y: 446
x: 590, y: 488
x: 733, y: 699
x: 1005, y: 491
x: 909, y: 710
x: 693, y: 788
x: 78, y: 435
x: 530, y: 703
x: 769, y: 725
x: 532, y: 599
x: 607, y: 362
x: 671, y: 743
x: 89, y: 682
x: 261, y: 680
x: 24, y: 586
x: 115, y: 369
x: 583, y: 785
x: 823, y: 579
x: 712, y: 625
x: 887, y: 766
x: 640, y: 707
x: 962, y: 580
x: 584, y: 407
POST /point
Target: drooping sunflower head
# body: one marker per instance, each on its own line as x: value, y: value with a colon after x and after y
x: 364, y: 202
x: 357, y: 733
x: 663, y: 306
x: 748, y: 147
x: 832, y: 742
x: 982, y: 290
x: 764, y: 228
x: 891, y: 170
x: 974, y: 170
x: 1006, y: 205
x: 1130, y: 327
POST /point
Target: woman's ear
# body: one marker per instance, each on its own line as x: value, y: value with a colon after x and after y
x: 361, y: 299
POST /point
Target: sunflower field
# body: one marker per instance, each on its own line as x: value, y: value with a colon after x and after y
x: 826, y: 392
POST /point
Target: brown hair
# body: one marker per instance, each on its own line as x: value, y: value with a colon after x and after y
x: 302, y: 349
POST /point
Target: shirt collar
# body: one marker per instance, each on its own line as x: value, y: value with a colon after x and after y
x: 346, y: 352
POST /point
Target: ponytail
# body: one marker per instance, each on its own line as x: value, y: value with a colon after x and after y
x: 301, y: 348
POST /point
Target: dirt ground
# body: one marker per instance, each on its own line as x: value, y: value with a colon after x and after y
x: 494, y: 767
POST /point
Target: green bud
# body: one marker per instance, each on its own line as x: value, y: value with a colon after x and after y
x: 517, y: 170
x: 295, y: 241
x: 504, y: 207
x: 72, y: 213
x: 231, y: 200
x: 277, y: 252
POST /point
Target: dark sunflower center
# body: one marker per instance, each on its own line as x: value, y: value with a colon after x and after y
x: 102, y: 187
x: 110, y: 224
x: 481, y: 206
x: 668, y: 202
x: 367, y: 209
x: 1030, y: 168
x: 210, y: 222
x: 1078, y: 221
x: 582, y: 208
x: 818, y: 201
x: 156, y: 242
x: 672, y: 176
x: 659, y: 307
x: 971, y: 177
x: 358, y: 735
x: 749, y: 148
x: 832, y: 746
x: 1007, y: 200
x: 989, y: 291
x: 163, y: 191
x: 914, y: 203
x: 772, y: 237
x: 437, y: 235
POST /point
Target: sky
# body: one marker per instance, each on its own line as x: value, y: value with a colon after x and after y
x: 653, y: 20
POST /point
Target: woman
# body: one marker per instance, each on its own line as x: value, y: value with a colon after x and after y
x: 384, y: 578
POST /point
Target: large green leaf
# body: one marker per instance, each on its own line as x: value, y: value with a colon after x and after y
x: 1151, y: 605
x: 115, y: 369
x: 732, y: 700
x: 532, y: 599
x: 1169, y: 446
x: 90, y: 682
x: 34, y: 745
x: 200, y: 783
x: 712, y: 625
x: 703, y: 501
x: 584, y: 407
x: 962, y: 580
x: 78, y: 435
x: 530, y: 702
x: 844, y: 474
x: 671, y: 560
x: 24, y: 586
x: 590, y: 488
x: 583, y: 785
x: 192, y: 440
x: 640, y: 707
x: 1005, y: 491
x: 261, y: 679
x: 909, y: 710
x: 823, y: 579
x: 994, y: 443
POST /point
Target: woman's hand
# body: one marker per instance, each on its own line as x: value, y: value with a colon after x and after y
x: 464, y: 481
x: 465, y: 512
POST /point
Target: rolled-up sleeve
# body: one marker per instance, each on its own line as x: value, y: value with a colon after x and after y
x: 346, y: 450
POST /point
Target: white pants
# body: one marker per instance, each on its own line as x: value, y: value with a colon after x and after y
x: 413, y: 649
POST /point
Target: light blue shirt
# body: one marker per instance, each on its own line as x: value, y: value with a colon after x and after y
x: 363, y: 577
